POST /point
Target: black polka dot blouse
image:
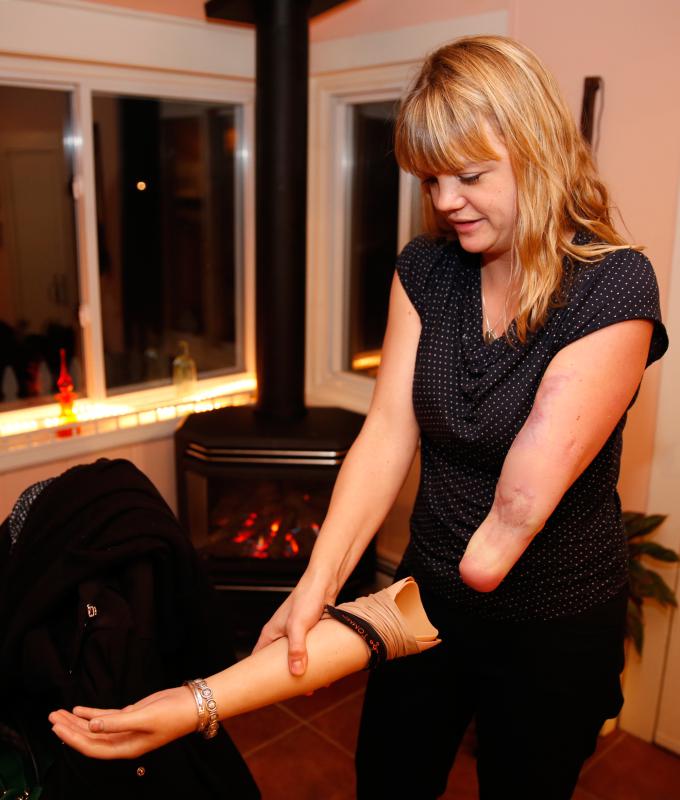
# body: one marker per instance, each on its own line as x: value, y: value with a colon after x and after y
x: 471, y: 399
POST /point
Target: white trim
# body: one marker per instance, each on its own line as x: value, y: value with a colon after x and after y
x: 409, y: 190
x: 669, y: 742
x: 88, y: 259
x: 43, y: 72
x: 103, y: 34
x: 135, y: 417
x: 401, y: 45
x: 247, y: 169
x: 59, y: 449
x: 650, y: 694
x: 330, y: 98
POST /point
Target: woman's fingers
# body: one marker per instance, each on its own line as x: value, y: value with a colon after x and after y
x: 303, y: 617
x: 297, y: 651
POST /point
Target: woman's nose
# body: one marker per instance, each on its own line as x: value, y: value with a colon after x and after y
x: 447, y: 196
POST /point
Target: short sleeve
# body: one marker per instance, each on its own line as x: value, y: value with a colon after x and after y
x: 620, y: 287
x: 415, y: 266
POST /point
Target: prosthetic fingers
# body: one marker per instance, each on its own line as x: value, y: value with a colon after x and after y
x: 392, y: 622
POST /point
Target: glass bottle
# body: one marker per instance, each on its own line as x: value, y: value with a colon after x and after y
x: 184, y: 371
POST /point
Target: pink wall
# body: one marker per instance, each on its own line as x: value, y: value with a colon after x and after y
x: 634, y: 47
x: 368, y: 16
x: 194, y: 9
x: 356, y: 16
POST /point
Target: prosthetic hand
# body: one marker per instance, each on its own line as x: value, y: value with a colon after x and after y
x: 389, y: 624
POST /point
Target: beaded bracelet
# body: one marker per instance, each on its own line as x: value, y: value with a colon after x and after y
x: 208, y: 720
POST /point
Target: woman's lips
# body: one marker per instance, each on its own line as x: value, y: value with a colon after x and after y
x: 466, y: 226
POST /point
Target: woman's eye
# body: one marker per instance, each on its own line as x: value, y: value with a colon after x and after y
x: 470, y: 179
x: 428, y: 181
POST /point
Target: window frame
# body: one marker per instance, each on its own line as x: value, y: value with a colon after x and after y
x: 329, y: 192
x: 82, y: 81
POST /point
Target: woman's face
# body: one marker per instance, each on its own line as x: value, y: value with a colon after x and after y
x: 480, y: 203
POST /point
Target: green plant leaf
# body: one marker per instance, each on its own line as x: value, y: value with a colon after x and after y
x: 662, y: 591
x: 653, y: 550
x: 637, y: 569
x: 645, y: 582
x: 634, y: 625
x: 640, y: 585
x: 640, y: 525
x: 629, y: 516
x: 651, y: 584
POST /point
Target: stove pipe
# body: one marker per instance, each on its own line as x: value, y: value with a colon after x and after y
x: 281, y: 204
x: 282, y: 68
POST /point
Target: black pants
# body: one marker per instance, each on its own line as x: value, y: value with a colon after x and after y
x: 539, y: 693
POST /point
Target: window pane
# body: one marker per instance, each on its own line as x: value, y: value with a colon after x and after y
x: 38, y: 268
x: 168, y: 200
x: 373, y: 221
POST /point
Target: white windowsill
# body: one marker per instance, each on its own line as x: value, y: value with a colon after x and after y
x: 32, y: 436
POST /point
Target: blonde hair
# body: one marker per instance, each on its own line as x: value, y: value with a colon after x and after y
x: 492, y: 80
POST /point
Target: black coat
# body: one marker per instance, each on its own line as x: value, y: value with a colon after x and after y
x: 102, y: 601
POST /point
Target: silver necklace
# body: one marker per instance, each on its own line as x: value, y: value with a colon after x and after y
x: 489, y: 335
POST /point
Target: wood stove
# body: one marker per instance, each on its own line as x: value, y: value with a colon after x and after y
x: 253, y: 493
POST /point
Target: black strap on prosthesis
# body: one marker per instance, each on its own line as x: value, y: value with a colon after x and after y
x: 376, y: 644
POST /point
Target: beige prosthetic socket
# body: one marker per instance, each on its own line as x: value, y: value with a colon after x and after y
x: 393, y: 621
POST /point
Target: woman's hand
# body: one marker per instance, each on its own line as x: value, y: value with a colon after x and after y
x: 300, y: 612
x: 110, y: 733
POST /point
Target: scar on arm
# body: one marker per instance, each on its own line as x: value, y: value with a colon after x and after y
x: 513, y: 505
x: 537, y: 423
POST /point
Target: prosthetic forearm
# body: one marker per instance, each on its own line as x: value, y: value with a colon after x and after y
x: 389, y: 624
x: 351, y: 636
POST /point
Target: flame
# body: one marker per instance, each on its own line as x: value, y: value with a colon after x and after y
x: 258, y: 543
x: 292, y: 544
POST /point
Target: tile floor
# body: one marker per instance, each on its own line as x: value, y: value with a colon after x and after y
x: 303, y: 750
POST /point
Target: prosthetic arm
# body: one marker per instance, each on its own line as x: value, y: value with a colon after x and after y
x: 389, y: 624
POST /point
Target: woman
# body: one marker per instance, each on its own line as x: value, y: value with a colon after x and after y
x: 517, y: 336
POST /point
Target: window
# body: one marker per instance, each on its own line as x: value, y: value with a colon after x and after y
x: 39, y: 294
x: 362, y: 211
x: 373, y: 235
x: 148, y: 259
x: 168, y: 199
